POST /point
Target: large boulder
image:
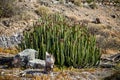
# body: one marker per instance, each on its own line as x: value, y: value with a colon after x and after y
x: 30, y: 54
x: 24, y: 57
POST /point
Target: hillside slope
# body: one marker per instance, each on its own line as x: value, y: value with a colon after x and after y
x: 102, y: 21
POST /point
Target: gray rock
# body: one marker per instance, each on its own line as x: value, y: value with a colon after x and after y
x: 30, y: 54
x: 22, y: 58
x: 55, y: 1
x: 96, y: 21
x: 36, y: 63
x: 86, y: 5
x: 113, y: 16
x: 10, y: 41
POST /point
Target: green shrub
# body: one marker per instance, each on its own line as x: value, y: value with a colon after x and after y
x: 6, y: 8
x: 71, y: 45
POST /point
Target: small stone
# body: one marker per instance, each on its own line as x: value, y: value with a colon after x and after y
x: 6, y: 23
x: 51, y: 74
x: 113, y: 16
x: 96, y: 21
x: 2, y: 73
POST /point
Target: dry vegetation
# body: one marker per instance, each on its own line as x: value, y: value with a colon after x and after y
x: 43, y: 11
x: 77, y: 2
x: 107, y: 38
x: 8, y: 8
x: 9, y: 50
x: 62, y: 74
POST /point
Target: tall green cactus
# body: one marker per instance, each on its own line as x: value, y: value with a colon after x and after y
x: 70, y: 45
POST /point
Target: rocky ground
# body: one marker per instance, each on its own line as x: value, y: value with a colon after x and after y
x: 109, y: 69
x: 37, y: 74
x: 102, y: 21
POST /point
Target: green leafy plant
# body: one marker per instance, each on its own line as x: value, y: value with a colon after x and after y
x: 70, y: 45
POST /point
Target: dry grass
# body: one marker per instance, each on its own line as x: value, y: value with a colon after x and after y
x: 65, y: 74
x: 72, y: 17
x: 43, y: 77
x: 43, y: 11
x: 105, y: 33
x: 9, y: 77
x: 27, y: 16
x: 109, y: 33
x: 100, y: 26
x: 109, y: 51
x: 9, y: 50
x: 117, y: 66
x: 113, y: 43
x: 108, y: 42
x: 106, y: 37
x: 77, y: 2
x: 95, y: 28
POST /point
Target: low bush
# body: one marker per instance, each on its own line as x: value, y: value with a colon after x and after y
x: 43, y: 11
x: 7, y: 8
x: 77, y: 2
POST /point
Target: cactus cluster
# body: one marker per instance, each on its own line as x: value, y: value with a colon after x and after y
x: 70, y: 45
